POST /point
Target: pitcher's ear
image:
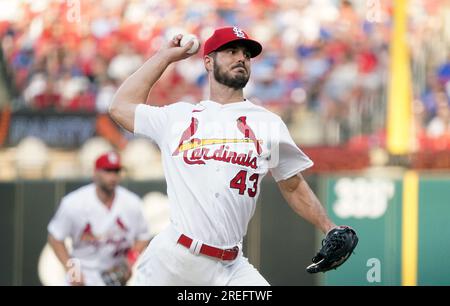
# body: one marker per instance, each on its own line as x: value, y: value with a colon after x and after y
x: 208, y: 61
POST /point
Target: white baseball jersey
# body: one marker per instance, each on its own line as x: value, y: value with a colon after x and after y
x: 100, y: 236
x: 215, y: 157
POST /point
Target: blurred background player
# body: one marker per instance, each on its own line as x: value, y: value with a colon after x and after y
x: 107, y: 227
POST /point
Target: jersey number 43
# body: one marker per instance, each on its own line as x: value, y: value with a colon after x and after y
x: 239, y: 182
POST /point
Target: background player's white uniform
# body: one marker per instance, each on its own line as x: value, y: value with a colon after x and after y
x: 100, y: 236
x: 215, y: 157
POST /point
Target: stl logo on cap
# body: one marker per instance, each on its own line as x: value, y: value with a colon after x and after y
x: 110, y: 160
x: 238, y: 32
x: 223, y: 36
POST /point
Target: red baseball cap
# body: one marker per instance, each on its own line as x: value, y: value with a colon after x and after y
x: 108, y: 161
x: 226, y: 35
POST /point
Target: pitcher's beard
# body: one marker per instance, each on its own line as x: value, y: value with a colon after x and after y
x: 237, y: 82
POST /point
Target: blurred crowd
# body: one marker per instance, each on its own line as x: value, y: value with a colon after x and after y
x: 324, y: 68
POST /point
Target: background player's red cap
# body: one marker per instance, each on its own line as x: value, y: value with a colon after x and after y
x: 226, y: 35
x: 108, y: 161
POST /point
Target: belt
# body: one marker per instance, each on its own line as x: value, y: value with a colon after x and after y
x: 223, y: 254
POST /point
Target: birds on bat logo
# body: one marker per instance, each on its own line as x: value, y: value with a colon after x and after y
x: 114, y: 235
x: 200, y: 153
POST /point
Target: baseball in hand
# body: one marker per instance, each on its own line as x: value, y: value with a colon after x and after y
x: 187, y: 38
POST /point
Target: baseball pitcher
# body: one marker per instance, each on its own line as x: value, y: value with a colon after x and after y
x: 215, y: 155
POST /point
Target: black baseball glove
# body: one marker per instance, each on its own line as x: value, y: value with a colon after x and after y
x: 336, y: 248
